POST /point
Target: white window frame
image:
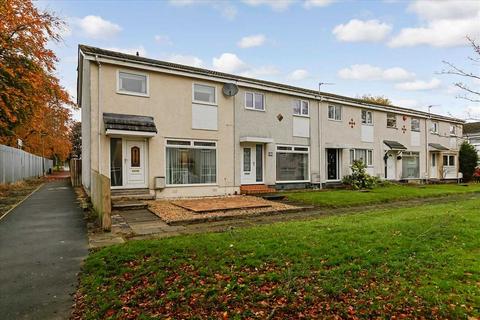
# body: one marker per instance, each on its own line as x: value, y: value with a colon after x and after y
x: 215, y: 103
x: 453, y: 132
x: 368, y: 155
x: 253, y: 100
x: 301, y: 114
x: 292, y: 149
x: 366, y: 117
x: 411, y: 124
x: 391, y: 113
x: 133, y: 93
x: 191, y: 146
x: 449, y: 158
x: 434, y: 127
x: 337, y: 110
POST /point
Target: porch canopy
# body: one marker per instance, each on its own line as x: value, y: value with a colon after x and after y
x: 394, y: 145
x: 437, y: 147
x: 256, y: 139
x: 129, y: 124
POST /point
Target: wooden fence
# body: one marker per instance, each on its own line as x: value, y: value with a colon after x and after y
x: 76, y: 172
x: 101, y: 201
x: 17, y: 165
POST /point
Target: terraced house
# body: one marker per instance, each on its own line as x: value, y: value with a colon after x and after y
x: 180, y: 131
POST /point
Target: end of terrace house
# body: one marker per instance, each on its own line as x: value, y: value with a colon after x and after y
x: 181, y: 131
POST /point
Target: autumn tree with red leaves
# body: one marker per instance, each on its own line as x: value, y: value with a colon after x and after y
x: 34, y: 106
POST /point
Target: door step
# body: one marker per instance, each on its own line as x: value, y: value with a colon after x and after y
x: 131, y: 194
x: 253, y: 189
x: 122, y: 205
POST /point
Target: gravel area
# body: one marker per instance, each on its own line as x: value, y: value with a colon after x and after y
x: 170, y: 212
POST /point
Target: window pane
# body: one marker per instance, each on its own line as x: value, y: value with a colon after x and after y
x: 191, y: 166
x: 296, y: 106
x: 452, y: 160
x: 258, y: 101
x: 364, y: 116
x: 204, y: 144
x: 249, y: 100
x: 415, y: 125
x: 369, y: 117
x: 352, y: 156
x: 331, y: 112
x: 369, y: 157
x: 410, y: 167
x: 247, y: 159
x: 361, y: 155
x: 116, y: 161
x: 133, y: 82
x: 204, y: 93
x: 292, y: 166
x: 338, y: 113
x: 304, y: 107
x: 391, y: 120
x: 178, y: 142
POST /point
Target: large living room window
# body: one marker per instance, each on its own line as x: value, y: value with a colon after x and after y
x: 191, y: 162
x: 292, y: 164
x: 410, y: 165
x: 131, y: 83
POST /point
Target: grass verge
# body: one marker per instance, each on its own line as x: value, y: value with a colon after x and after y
x: 396, y: 263
x: 390, y: 193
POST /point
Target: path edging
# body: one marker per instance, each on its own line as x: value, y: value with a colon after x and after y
x: 19, y: 203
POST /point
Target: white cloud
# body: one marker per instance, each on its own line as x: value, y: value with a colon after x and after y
x: 316, y: 3
x: 453, y: 9
x: 96, y: 27
x: 252, y: 41
x: 277, y: 5
x: 230, y: 63
x: 357, y: 30
x: 297, y: 75
x: 369, y: 72
x: 181, y: 3
x: 186, y: 60
x: 163, y: 40
x: 419, y: 85
x: 444, y: 24
x: 140, y: 49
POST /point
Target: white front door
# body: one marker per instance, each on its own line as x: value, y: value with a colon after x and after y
x: 391, y: 166
x: 252, y: 164
x: 433, y: 166
x: 135, y: 154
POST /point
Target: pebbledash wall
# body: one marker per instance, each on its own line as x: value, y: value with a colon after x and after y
x: 297, y: 136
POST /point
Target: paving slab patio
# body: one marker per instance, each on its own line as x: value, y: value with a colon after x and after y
x: 222, y: 204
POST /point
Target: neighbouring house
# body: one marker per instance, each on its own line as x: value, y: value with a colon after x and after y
x: 181, y: 131
x: 471, y: 132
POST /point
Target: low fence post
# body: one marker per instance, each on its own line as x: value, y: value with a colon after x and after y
x: 101, y: 200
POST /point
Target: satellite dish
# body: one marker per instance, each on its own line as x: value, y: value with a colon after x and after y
x: 230, y: 89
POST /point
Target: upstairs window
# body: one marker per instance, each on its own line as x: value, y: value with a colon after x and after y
x: 204, y: 94
x: 367, y: 117
x: 301, y: 108
x: 434, y: 127
x: 132, y: 83
x: 254, y: 101
x: 335, y: 113
x: 453, y: 130
x: 415, y: 124
x: 391, y: 120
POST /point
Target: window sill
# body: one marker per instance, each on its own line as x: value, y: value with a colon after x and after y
x: 191, y: 185
x: 334, y: 120
x: 205, y: 103
x: 253, y: 109
x: 367, y: 124
x: 293, y: 181
x: 392, y: 128
x: 301, y: 115
x: 415, y: 130
x: 143, y: 95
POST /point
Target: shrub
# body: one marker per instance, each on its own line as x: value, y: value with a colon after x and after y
x: 468, y: 159
x: 360, y: 179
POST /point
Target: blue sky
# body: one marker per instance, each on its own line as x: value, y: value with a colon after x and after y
x: 390, y: 48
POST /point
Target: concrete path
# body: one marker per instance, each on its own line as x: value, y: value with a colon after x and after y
x: 43, y: 242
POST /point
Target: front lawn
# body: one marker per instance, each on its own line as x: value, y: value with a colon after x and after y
x: 399, y: 263
x: 345, y: 198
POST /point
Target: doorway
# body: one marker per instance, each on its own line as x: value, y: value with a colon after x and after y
x: 252, y: 164
x: 128, y: 164
x: 333, y: 162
